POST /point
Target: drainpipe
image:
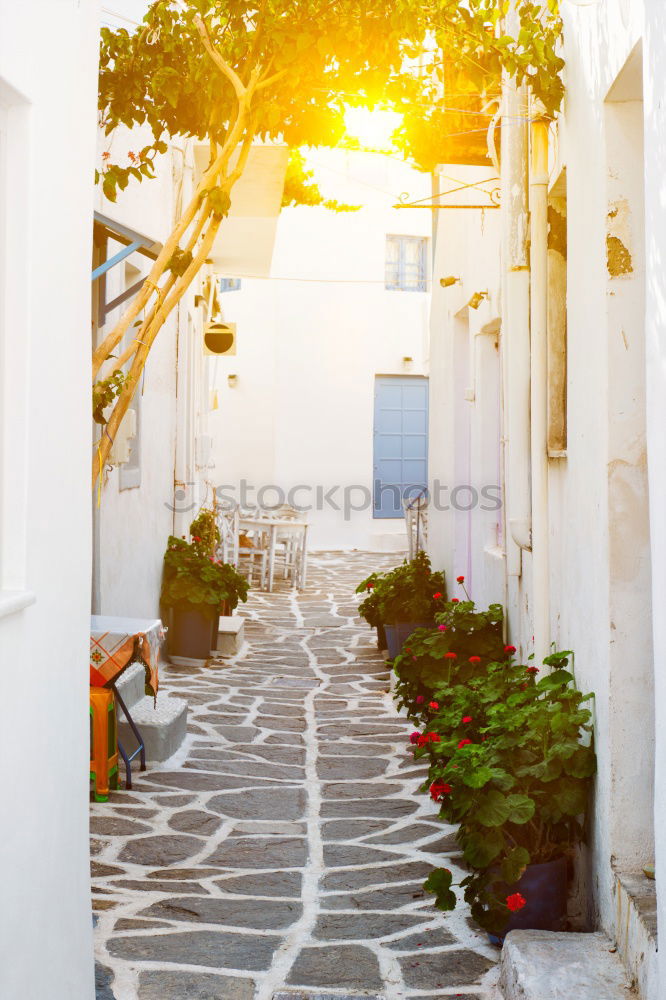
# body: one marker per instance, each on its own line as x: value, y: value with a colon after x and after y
x: 539, y: 382
x: 516, y: 324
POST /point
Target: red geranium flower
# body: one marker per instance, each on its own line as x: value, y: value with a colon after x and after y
x: 436, y: 596
x: 466, y: 719
x: 435, y: 738
x: 370, y: 586
x: 450, y: 656
x: 464, y: 743
x: 414, y: 737
x: 460, y: 579
x: 516, y: 902
x: 434, y: 705
x: 532, y: 670
x: 454, y: 600
x: 419, y: 699
x: 442, y: 628
x: 475, y: 659
x: 438, y: 789
x: 510, y: 650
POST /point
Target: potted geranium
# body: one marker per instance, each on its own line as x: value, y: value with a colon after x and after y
x: 195, y: 586
x: 461, y: 643
x: 368, y: 609
x: 407, y: 599
x: 511, y: 763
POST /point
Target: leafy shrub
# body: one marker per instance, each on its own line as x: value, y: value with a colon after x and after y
x: 191, y: 576
x: 511, y: 763
x: 462, y: 643
x: 410, y: 592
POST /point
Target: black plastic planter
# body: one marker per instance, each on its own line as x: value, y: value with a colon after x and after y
x: 191, y: 631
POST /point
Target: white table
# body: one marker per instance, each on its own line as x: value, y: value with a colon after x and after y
x: 275, y: 526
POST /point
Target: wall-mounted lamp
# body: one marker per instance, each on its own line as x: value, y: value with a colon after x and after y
x: 232, y: 381
x: 477, y: 299
x: 448, y: 281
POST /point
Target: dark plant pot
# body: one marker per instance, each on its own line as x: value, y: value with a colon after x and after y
x: 397, y: 635
x: 545, y: 889
x: 191, y: 631
x: 381, y: 637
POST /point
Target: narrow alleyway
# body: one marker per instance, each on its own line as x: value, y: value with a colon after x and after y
x: 283, y: 850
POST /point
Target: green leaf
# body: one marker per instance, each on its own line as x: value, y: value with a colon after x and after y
x: 521, y: 808
x: 515, y: 864
x: 439, y: 883
x: 481, y: 849
x: 494, y: 809
x: 479, y: 777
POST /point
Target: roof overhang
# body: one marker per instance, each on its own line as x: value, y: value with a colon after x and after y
x: 244, y: 244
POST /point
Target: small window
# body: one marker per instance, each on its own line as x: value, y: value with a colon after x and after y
x: 406, y: 263
x: 230, y: 284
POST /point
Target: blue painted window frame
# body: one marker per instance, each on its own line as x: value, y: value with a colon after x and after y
x: 230, y: 284
x: 402, y: 272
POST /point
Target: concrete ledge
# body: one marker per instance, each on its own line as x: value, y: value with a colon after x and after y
x: 545, y: 965
x: 230, y: 636
x: 636, y: 930
x: 163, y: 728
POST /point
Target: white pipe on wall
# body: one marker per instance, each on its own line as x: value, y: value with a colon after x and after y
x: 539, y: 383
x: 516, y: 324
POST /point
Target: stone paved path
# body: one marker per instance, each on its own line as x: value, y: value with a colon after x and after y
x: 282, y: 852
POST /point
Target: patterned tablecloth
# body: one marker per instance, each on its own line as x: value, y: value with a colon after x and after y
x: 115, y: 643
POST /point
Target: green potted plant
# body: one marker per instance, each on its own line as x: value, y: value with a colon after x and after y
x: 407, y: 598
x: 461, y: 644
x: 195, y: 585
x: 368, y: 609
x: 512, y: 767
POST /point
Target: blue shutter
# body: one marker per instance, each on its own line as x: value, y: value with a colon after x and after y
x: 400, y: 465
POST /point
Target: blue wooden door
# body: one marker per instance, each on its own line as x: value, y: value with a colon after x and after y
x: 400, y: 441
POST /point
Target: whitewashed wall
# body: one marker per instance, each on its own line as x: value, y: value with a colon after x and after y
x: 311, y: 340
x: 136, y: 516
x: 606, y: 561
x: 48, y: 81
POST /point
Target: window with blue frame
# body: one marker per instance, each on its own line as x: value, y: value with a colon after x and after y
x: 407, y: 263
x: 230, y: 284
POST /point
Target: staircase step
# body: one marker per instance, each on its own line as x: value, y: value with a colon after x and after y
x: 545, y: 965
x: 163, y: 727
x: 132, y: 685
x: 230, y: 636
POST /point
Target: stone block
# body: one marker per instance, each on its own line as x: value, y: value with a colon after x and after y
x: 230, y: 636
x: 548, y: 965
x: 132, y: 684
x: 163, y: 727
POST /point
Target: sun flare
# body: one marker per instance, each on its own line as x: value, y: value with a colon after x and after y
x: 373, y: 128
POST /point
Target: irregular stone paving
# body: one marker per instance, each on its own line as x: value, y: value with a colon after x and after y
x: 281, y: 853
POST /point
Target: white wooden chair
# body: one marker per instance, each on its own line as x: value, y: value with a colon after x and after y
x: 246, y: 551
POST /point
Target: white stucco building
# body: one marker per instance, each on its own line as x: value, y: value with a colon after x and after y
x: 570, y: 413
x: 48, y: 87
x: 318, y: 342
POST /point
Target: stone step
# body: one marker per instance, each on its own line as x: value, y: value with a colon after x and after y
x: 132, y: 684
x: 230, y: 636
x: 545, y: 965
x: 163, y: 727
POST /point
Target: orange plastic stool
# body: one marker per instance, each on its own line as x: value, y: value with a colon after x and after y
x: 103, y: 742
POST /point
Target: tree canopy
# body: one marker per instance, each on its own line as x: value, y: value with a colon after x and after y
x: 233, y: 72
